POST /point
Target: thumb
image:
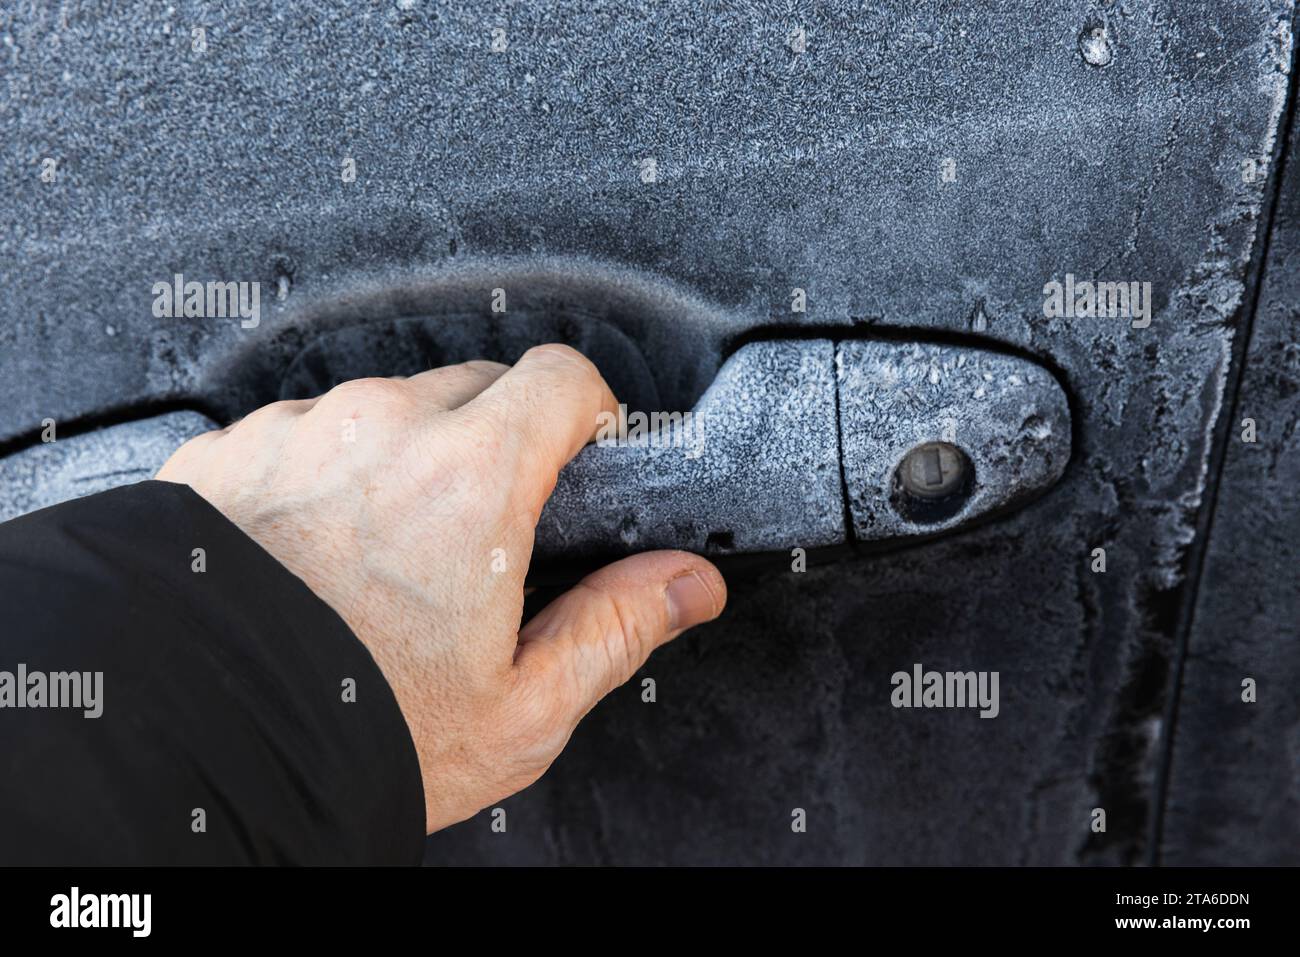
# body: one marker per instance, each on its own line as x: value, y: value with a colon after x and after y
x: 595, y: 636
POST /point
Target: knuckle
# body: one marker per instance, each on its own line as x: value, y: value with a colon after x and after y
x: 485, y: 367
x: 263, y: 415
x: 468, y: 375
x: 562, y: 357
x: 387, y: 395
x: 283, y: 408
x: 198, y: 442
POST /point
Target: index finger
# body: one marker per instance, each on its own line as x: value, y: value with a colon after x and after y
x: 550, y: 402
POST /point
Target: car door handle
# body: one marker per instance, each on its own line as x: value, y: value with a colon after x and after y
x: 817, y: 443
x: 806, y: 443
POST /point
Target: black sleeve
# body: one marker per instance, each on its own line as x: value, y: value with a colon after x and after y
x: 225, y: 699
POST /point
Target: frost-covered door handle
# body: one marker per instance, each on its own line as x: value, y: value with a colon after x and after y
x: 904, y: 439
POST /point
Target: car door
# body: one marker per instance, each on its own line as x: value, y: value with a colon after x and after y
x: 406, y: 184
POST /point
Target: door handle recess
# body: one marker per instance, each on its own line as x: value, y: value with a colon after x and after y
x: 797, y: 443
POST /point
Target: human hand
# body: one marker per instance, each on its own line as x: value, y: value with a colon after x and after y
x: 409, y: 506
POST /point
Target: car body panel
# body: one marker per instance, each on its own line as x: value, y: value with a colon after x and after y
x: 920, y: 170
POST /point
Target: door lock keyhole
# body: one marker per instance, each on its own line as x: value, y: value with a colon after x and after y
x: 933, y: 482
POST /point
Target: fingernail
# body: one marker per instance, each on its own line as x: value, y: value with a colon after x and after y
x: 689, y: 601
